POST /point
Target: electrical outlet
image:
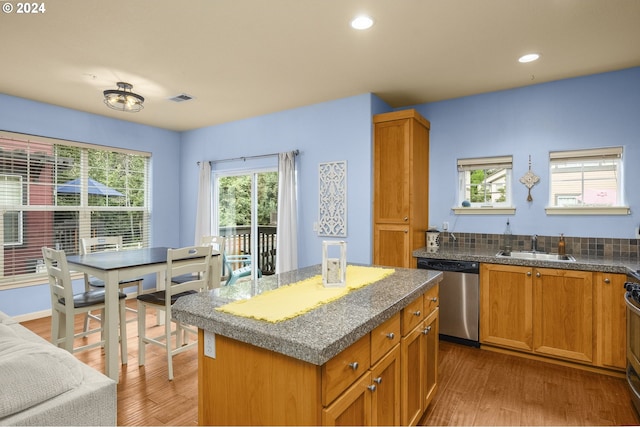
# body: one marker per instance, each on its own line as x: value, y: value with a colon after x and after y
x: 210, y: 344
x: 445, y: 226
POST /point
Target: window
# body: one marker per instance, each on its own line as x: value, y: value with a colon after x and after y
x: 484, y: 185
x: 247, y: 203
x: 54, y: 192
x: 11, y: 201
x: 586, y: 181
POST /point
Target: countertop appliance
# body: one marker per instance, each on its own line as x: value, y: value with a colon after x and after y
x: 459, y: 299
x: 632, y: 300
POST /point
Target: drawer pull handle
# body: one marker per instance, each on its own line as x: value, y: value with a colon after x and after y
x: 434, y: 299
x: 427, y: 330
x: 372, y: 387
x: 538, y: 274
x: 607, y: 280
x: 378, y: 380
x: 417, y: 313
x: 354, y: 365
x: 528, y: 273
x: 406, y: 218
x: 391, y: 335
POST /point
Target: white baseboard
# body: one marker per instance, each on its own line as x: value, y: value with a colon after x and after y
x: 46, y: 313
x: 32, y: 316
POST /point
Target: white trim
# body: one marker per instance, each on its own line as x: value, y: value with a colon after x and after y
x: 32, y: 316
x: 484, y: 211
x: 588, y: 210
x: 25, y: 137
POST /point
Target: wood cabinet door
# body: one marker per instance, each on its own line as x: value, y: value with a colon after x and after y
x: 392, y: 245
x: 506, y: 306
x: 351, y: 408
x: 563, y: 313
x: 411, y: 373
x: 392, y: 171
x: 385, y: 405
x: 611, y: 320
x: 430, y: 377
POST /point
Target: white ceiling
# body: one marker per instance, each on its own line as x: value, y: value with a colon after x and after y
x: 245, y: 58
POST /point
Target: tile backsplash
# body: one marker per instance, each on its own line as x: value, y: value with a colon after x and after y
x: 583, y: 246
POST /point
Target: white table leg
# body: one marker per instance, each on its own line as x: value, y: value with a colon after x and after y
x: 161, y: 277
x: 111, y: 328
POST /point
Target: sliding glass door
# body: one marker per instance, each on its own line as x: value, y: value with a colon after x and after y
x: 246, y: 215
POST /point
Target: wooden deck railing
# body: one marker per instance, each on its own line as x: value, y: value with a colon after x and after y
x: 238, y: 242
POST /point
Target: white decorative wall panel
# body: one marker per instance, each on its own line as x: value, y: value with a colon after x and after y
x: 332, y: 218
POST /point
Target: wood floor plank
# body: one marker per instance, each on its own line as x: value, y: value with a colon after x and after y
x: 476, y: 387
x: 479, y: 387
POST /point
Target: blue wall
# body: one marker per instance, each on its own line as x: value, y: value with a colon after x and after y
x: 25, y: 116
x: 587, y: 112
x: 331, y: 131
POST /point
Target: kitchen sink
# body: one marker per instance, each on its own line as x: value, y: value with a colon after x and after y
x: 542, y: 256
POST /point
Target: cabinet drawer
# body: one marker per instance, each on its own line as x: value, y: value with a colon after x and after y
x: 341, y: 371
x: 384, y: 337
x: 431, y: 300
x: 412, y: 315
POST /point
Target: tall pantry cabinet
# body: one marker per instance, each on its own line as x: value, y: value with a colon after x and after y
x: 401, y: 187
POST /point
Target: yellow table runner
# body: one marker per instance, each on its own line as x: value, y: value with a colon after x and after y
x: 300, y: 297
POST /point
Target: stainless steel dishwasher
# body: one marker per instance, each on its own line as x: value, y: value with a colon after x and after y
x: 459, y: 299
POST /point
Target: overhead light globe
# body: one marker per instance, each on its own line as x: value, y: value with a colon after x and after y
x: 123, y: 99
x: 362, y: 22
x: 530, y: 57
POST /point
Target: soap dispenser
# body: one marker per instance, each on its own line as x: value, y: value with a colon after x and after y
x: 508, y: 237
x: 562, y: 250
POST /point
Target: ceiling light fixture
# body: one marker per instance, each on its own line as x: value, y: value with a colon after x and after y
x: 530, y: 57
x: 361, y: 22
x: 122, y: 99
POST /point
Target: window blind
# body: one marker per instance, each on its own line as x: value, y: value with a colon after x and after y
x: 504, y: 162
x: 595, y: 153
x: 55, y: 192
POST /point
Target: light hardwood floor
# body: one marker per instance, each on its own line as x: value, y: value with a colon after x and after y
x: 480, y: 387
x: 477, y: 387
x: 145, y: 395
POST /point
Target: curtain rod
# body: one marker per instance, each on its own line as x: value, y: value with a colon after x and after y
x: 260, y: 156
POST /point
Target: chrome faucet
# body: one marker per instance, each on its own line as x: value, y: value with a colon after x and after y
x: 534, y: 243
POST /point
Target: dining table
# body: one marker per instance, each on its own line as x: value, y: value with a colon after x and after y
x: 113, y: 267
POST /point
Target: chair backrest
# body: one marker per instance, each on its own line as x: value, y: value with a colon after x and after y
x: 96, y: 244
x: 59, y: 276
x: 194, y: 261
x: 218, y: 244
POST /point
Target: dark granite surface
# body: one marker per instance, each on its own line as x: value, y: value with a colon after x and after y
x: 627, y: 266
x: 316, y: 336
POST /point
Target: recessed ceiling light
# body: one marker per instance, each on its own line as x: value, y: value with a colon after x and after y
x: 530, y: 57
x: 361, y: 22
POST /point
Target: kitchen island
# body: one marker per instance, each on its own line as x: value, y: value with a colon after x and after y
x: 299, y: 370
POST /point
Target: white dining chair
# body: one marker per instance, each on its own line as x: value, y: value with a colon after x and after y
x: 105, y: 243
x: 194, y: 263
x: 65, y: 305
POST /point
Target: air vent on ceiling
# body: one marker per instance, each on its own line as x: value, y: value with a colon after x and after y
x: 181, y: 98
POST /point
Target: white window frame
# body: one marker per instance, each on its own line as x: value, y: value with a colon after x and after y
x: 465, y: 167
x: 580, y: 161
x: 11, y: 196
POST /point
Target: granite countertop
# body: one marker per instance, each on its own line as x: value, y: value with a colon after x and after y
x: 316, y: 336
x: 604, y: 264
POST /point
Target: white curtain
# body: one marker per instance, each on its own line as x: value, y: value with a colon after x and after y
x: 287, y: 236
x: 203, y: 211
